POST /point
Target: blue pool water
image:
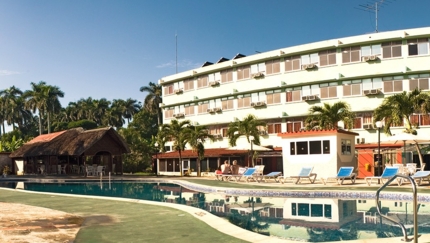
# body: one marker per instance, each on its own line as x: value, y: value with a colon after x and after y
x: 294, y: 218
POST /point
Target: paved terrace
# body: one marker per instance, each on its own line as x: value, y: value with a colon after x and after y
x: 144, y: 221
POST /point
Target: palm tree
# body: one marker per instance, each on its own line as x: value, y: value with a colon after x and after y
x: 53, y: 105
x: 131, y: 107
x: 178, y: 132
x: 153, y: 99
x: 36, y: 100
x: 11, y: 104
x: 328, y: 116
x: 197, y: 137
x: 248, y: 127
x: 398, y: 108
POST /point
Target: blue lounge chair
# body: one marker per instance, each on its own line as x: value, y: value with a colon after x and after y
x: 388, y: 173
x: 305, y: 172
x: 421, y: 176
x: 248, y: 174
x: 342, y: 174
x: 272, y: 175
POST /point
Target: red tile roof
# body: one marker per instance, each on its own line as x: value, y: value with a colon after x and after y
x: 45, y: 137
x: 315, y: 132
x: 208, y: 153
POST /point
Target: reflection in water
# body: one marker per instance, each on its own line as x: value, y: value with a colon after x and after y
x: 303, y: 219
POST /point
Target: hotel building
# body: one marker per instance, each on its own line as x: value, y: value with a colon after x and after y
x: 280, y: 86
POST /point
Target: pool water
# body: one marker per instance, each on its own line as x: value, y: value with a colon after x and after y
x: 301, y: 219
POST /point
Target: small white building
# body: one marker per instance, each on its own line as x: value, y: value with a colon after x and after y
x: 325, y: 150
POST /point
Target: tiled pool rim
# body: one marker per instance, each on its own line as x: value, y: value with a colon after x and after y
x: 296, y: 193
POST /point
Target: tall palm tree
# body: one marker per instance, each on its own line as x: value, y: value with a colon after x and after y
x: 131, y: 107
x: 53, y: 104
x: 328, y: 116
x: 178, y: 132
x: 11, y: 104
x: 196, y: 138
x: 248, y: 127
x: 153, y: 99
x: 398, y: 108
x: 100, y: 108
x: 36, y: 99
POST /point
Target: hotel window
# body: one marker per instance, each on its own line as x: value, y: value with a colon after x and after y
x: 328, y: 90
x: 243, y: 72
x: 274, y: 128
x: 258, y: 68
x: 317, y: 210
x: 420, y: 120
x: 189, y: 109
x: 273, y: 66
x: 224, y: 132
x: 244, y: 100
x: 327, y: 57
x: 214, y: 77
x: 203, y: 107
x: 292, y: 63
x: 227, y: 103
x: 168, y: 113
x: 273, y: 96
x: 189, y: 84
x: 420, y: 82
x: 367, y: 118
x: 346, y: 146
x: 227, y: 76
x: 351, y: 54
x: 315, y: 147
x: 393, y: 84
x: 294, y: 126
x: 302, y: 148
x: 392, y: 49
x: 371, y: 50
x: 310, y: 59
x: 418, y: 47
x: 168, y: 89
x: 294, y: 94
x: 351, y: 88
x: 357, y: 123
x: 202, y: 82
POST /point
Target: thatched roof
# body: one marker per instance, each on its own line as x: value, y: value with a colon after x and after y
x: 73, y: 142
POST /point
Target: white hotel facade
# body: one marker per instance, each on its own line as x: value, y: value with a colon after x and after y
x: 280, y: 86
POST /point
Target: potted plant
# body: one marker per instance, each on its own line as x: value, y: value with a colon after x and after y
x: 6, y: 171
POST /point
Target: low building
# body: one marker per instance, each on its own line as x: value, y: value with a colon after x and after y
x: 70, y: 151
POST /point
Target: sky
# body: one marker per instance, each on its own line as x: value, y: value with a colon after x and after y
x: 109, y: 49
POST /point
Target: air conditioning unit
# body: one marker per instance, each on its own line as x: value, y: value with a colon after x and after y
x: 179, y: 115
x: 217, y: 109
x: 368, y: 126
x: 262, y: 132
x: 253, y: 104
x: 311, y: 97
x: 371, y: 92
x: 258, y: 75
x: 260, y: 103
x: 209, y: 110
x: 308, y: 66
x: 304, y: 97
x: 217, y: 136
x: 370, y: 58
x: 214, y: 83
x: 178, y: 91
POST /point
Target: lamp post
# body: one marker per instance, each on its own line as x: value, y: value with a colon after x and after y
x: 251, y: 138
x: 156, y: 159
x: 379, y: 125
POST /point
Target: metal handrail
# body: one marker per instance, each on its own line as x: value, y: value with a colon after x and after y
x: 415, y: 207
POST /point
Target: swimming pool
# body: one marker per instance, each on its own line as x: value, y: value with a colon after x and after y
x: 308, y: 217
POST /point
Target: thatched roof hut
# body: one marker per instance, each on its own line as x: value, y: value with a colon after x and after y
x: 75, y: 144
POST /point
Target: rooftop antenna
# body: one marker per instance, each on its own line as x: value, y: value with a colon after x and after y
x: 374, y: 7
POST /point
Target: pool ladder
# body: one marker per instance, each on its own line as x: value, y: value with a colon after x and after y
x: 415, y: 207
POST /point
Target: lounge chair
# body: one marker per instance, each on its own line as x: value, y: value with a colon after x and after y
x: 388, y: 173
x: 259, y: 171
x: 248, y: 174
x: 272, y: 175
x: 421, y: 176
x: 342, y: 174
x: 238, y: 176
x: 305, y: 172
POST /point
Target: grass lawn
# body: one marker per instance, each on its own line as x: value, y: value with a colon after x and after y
x: 114, y: 221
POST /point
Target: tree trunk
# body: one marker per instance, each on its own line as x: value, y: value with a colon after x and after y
x: 49, y: 124
x: 40, y: 123
x: 420, y: 156
x: 198, y: 167
x: 180, y: 162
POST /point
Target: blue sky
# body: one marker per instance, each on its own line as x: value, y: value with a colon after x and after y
x: 109, y: 49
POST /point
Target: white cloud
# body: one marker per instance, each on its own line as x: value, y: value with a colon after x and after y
x: 183, y: 64
x: 7, y: 72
